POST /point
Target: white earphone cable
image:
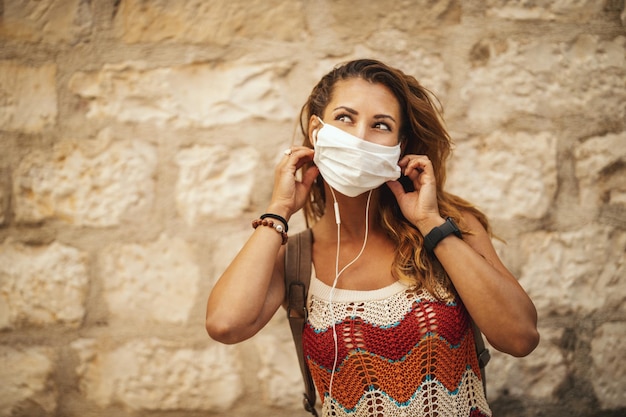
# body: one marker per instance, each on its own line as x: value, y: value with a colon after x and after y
x: 338, y: 273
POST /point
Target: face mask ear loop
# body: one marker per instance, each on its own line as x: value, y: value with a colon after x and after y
x: 338, y: 273
x: 314, y: 134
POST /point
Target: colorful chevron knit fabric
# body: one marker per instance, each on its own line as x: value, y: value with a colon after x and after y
x: 400, y: 354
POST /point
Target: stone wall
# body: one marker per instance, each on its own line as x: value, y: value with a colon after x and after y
x: 138, y: 139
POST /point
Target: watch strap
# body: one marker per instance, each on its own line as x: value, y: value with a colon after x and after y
x: 437, y: 234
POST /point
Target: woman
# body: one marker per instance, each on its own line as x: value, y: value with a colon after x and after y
x: 401, y: 267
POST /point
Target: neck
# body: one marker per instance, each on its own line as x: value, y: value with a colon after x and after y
x: 352, y: 213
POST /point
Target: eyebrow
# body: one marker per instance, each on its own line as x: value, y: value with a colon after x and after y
x: 377, y: 116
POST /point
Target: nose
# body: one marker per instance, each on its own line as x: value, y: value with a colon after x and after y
x: 361, y: 131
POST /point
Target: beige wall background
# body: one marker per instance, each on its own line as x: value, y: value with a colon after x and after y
x: 138, y: 140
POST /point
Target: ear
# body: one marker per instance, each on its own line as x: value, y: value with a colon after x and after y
x: 314, y: 126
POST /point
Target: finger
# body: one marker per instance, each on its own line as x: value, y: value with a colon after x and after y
x: 415, y: 165
x: 294, y: 158
x: 406, y: 159
x: 396, y: 189
x: 301, y: 157
x: 309, y: 176
x: 413, y: 169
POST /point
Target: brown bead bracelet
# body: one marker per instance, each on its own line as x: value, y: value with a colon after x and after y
x: 278, y: 227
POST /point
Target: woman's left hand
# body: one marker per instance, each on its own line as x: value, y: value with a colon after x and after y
x: 420, y: 206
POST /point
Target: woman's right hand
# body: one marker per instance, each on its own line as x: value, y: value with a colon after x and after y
x: 290, y: 194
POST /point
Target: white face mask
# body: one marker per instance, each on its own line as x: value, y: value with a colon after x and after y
x: 352, y: 165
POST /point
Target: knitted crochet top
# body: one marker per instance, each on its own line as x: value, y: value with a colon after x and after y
x: 400, y: 353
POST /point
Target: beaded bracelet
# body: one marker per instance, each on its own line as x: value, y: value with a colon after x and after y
x: 276, y: 217
x: 278, y: 227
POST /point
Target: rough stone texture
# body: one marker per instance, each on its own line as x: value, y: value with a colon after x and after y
x: 282, y: 384
x: 28, y: 100
x: 546, y: 79
x: 82, y: 189
x: 41, y: 285
x: 520, y: 169
x: 156, y: 374
x: 609, y: 370
x: 550, y: 10
x: 138, y: 140
x: 576, y: 271
x: 150, y: 282
x: 48, y: 21
x: 5, y: 194
x: 27, y: 381
x: 216, y: 22
x: 192, y: 95
x: 600, y: 171
x: 206, y: 172
x: 537, y: 377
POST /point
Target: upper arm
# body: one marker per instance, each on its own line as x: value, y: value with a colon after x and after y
x: 480, y: 241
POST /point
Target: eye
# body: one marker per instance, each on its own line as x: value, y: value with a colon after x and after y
x: 343, y: 117
x: 382, y: 126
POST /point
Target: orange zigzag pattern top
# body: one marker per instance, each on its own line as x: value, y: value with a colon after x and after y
x: 400, y: 353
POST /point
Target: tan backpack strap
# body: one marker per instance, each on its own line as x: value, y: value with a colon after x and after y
x: 297, y: 278
x: 483, y: 354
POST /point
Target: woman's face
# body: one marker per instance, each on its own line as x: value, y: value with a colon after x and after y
x: 367, y: 110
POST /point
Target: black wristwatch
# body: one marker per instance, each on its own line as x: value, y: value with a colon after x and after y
x: 432, y: 239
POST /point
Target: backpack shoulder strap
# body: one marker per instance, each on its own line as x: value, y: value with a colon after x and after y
x: 484, y: 356
x: 297, y: 278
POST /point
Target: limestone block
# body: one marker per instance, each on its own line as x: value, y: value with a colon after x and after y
x: 26, y: 379
x: 28, y: 98
x: 609, y: 369
x: 214, y: 181
x: 356, y: 23
x: 156, y: 281
x: 546, y: 79
x: 218, y: 22
x: 157, y: 374
x: 597, y: 169
x: 537, y: 376
x: 42, y: 285
x: 506, y: 174
x: 279, y: 374
x: 550, y: 10
x: 49, y: 21
x: 83, y: 189
x: 189, y: 95
x: 579, y: 271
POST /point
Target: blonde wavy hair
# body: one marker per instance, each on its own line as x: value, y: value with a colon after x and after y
x: 422, y: 133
